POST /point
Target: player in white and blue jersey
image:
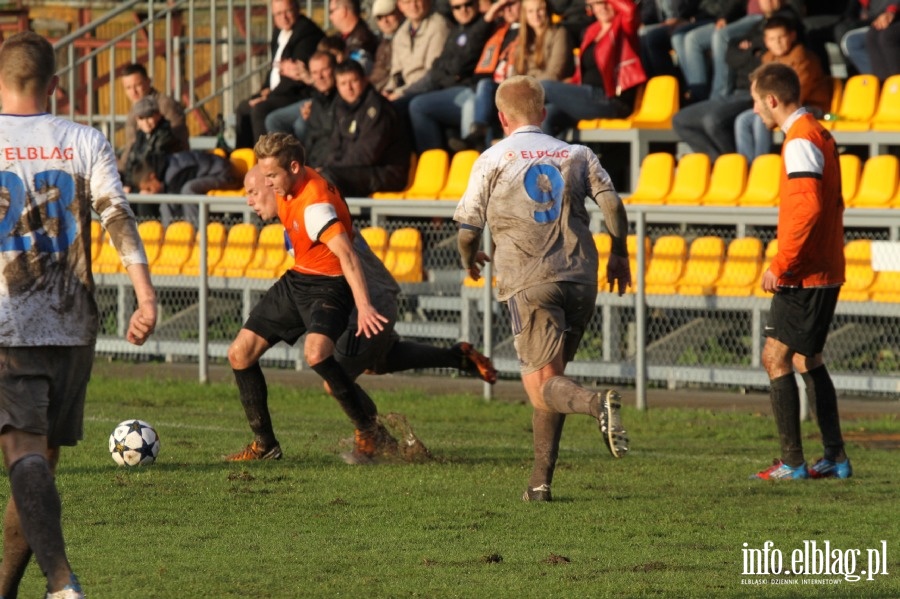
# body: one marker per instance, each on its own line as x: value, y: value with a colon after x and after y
x: 530, y: 189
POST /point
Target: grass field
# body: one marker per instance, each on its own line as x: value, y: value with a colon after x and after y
x: 669, y: 520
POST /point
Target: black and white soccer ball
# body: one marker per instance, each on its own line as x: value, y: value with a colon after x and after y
x: 134, y: 443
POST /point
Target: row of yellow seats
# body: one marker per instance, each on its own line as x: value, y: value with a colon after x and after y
x: 707, y: 266
x: 654, y: 108
x: 242, y: 159
x: 434, y: 176
x: 729, y: 182
x: 244, y: 250
x: 863, y: 104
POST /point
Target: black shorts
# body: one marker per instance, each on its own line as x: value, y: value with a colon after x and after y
x: 800, y: 317
x: 298, y: 304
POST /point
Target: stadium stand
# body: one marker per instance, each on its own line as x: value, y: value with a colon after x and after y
x: 763, y: 182
x: 404, y: 255
x: 108, y: 261
x: 727, y: 181
x: 741, y: 269
x: 377, y: 238
x: 859, y: 274
x: 458, y: 176
x: 176, y: 249
x: 269, y: 255
x: 666, y: 265
x: 431, y: 175
x: 886, y: 287
x: 877, y: 184
x: 691, y: 180
x: 771, y: 250
x: 603, y: 243
x: 151, y: 232
x: 887, y: 115
x: 703, y: 266
x: 858, y: 102
x: 655, y: 180
x: 240, y: 245
x: 215, y: 242
x: 96, y: 239
x: 654, y: 109
x: 243, y: 159
x: 851, y: 167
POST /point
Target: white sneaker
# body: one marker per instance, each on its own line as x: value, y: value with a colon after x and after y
x: 610, y: 420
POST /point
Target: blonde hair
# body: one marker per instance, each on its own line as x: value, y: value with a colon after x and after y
x: 27, y: 63
x: 521, y: 98
x: 284, y: 147
x: 531, y: 42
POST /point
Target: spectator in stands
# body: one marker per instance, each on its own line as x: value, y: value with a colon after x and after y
x: 410, y: 61
x: 708, y: 126
x: 293, y: 117
x: 185, y: 173
x: 369, y: 149
x: 692, y: 41
x: 138, y: 86
x: 154, y: 141
x: 494, y: 65
x: 318, y: 114
x: 821, y: 21
x: 293, y: 42
x: 861, y: 16
x: 438, y: 97
x: 609, y: 72
x: 883, y: 43
x: 388, y: 18
x: 361, y: 42
x: 659, y: 19
x: 752, y: 137
x: 805, y: 277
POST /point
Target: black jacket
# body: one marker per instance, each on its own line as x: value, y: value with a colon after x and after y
x: 456, y: 63
x: 319, y: 127
x: 305, y: 36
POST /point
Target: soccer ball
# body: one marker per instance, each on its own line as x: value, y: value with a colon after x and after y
x: 134, y: 443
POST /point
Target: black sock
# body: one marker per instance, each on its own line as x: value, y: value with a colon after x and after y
x: 823, y: 401
x: 358, y: 406
x: 37, y: 501
x: 786, y: 408
x: 254, y: 394
x: 406, y: 355
x: 546, y: 429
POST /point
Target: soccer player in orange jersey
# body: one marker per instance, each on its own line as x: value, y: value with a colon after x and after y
x: 805, y: 276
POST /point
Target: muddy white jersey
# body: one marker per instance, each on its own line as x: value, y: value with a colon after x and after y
x: 530, y: 189
x: 52, y: 173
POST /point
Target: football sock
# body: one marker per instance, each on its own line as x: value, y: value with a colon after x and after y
x: 37, y: 502
x: 547, y: 429
x: 785, y: 399
x: 406, y: 355
x: 251, y: 384
x: 358, y: 406
x: 16, y: 553
x: 823, y: 401
x: 563, y: 395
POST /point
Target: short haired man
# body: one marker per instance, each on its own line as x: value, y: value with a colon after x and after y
x: 417, y: 43
x: 53, y: 173
x: 530, y: 189
x: 137, y: 86
x: 315, y: 297
x: 294, y: 40
x: 384, y: 352
x: 369, y: 149
x: 360, y: 42
x: 805, y: 276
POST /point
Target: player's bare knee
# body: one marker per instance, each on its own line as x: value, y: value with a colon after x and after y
x: 238, y: 356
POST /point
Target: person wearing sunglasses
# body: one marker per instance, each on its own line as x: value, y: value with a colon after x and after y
x: 608, y: 74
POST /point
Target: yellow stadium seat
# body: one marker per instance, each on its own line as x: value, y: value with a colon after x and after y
x: 771, y: 252
x: 878, y: 183
x: 631, y: 244
x: 108, y: 260
x: 763, y: 182
x: 243, y: 159
x: 603, y: 243
x: 215, y: 245
x: 399, y: 195
x: 886, y: 287
x: 269, y: 255
x: 666, y: 264
x: 178, y: 242
x: 240, y: 245
x: 858, y: 272
x: 740, y: 272
x: 858, y: 102
x: 691, y: 180
x: 727, y: 181
x: 851, y: 167
x: 458, y: 177
x: 377, y: 238
x: 470, y: 282
x: 404, y: 256
x: 658, y: 104
x: 431, y: 175
x: 96, y: 239
x: 151, y: 232
x: 703, y: 266
x: 887, y: 115
x: 655, y: 179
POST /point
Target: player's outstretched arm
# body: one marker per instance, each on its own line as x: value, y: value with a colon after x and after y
x: 143, y: 321
x: 368, y: 321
